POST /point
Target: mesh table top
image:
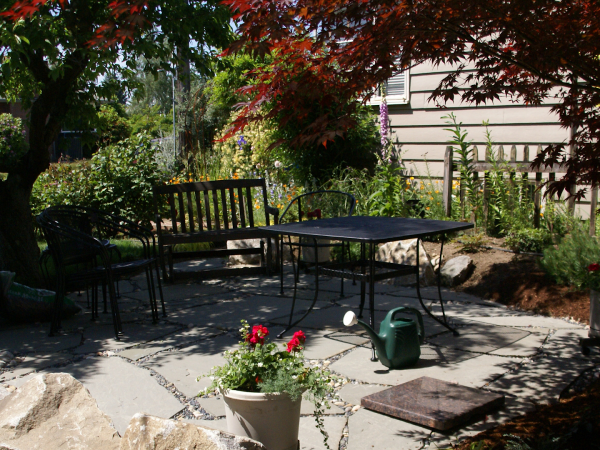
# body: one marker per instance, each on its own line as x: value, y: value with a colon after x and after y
x: 367, y: 229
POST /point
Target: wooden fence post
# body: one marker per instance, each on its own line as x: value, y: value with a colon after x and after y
x: 448, y: 172
x: 593, y: 208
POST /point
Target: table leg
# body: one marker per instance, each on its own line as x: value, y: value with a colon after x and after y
x: 372, y: 295
x: 443, y: 322
x: 362, y: 282
x: 290, y: 324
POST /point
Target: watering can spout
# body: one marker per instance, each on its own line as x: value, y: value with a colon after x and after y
x: 351, y: 319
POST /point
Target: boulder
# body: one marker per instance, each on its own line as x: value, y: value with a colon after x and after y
x: 53, y: 411
x: 457, y: 270
x: 4, y: 392
x: 153, y: 433
x: 405, y: 252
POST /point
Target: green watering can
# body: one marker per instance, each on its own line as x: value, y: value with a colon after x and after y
x: 398, y: 343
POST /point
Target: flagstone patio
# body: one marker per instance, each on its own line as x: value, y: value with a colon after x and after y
x: 530, y: 359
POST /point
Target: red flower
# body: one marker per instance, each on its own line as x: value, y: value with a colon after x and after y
x: 293, y: 345
x: 300, y: 336
x: 257, y: 336
x: 593, y: 267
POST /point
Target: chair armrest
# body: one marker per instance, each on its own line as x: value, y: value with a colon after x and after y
x: 274, y: 212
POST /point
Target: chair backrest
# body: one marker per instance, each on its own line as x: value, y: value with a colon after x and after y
x: 318, y: 205
x: 211, y: 205
x: 67, y: 243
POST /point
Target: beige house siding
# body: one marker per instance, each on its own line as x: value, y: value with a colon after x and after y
x: 417, y: 126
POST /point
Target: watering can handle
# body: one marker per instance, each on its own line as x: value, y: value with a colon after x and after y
x: 416, y: 312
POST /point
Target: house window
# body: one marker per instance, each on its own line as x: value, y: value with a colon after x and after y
x: 396, y: 89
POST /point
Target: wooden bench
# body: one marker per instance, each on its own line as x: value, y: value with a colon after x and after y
x: 213, y: 212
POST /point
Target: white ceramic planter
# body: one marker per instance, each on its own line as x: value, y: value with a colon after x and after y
x: 308, y: 253
x: 594, y: 314
x: 272, y: 419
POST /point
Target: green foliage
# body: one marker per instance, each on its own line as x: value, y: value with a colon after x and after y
x: 472, y: 243
x: 473, y: 201
x: 12, y: 140
x: 63, y: 183
x: 567, y: 263
x: 111, y: 126
x: 528, y: 239
x: 151, y: 122
x: 388, y: 199
x: 118, y: 179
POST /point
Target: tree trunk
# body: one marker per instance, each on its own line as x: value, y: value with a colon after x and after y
x: 19, y: 251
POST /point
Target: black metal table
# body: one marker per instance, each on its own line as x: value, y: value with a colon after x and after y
x: 369, y: 231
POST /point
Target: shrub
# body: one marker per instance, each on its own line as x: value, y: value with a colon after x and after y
x: 567, y: 263
x: 12, y: 140
x: 528, y: 240
x: 118, y: 179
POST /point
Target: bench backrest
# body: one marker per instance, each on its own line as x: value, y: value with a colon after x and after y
x: 211, y: 205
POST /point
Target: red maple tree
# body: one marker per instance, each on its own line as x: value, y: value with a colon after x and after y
x: 335, y: 52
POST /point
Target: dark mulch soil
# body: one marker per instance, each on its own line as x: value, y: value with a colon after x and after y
x: 572, y: 424
x: 517, y: 281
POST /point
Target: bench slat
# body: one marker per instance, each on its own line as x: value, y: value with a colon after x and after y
x: 233, y: 209
x: 242, y: 209
x: 199, y: 210
x: 190, y: 209
x: 225, y: 210
x: 215, y: 195
x: 182, y: 212
x: 250, y: 206
x: 173, y: 212
x: 207, y: 211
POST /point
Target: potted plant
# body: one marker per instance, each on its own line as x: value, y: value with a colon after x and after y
x: 593, y: 282
x: 262, y: 387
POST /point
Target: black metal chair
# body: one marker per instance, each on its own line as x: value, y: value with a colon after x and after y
x: 314, y: 206
x: 78, y: 243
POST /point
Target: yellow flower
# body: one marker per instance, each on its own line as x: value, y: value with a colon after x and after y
x: 430, y: 198
x: 437, y: 192
x: 422, y: 187
x: 412, y: 178
x: 542, y: 214
x: 427, y: 208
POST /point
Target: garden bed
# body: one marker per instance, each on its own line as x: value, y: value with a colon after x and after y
x: 516, y: 281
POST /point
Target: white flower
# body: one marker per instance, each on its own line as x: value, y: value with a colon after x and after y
x: 277, y: 164
x: 260, y: 364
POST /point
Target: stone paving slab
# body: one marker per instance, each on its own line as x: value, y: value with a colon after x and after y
x: 122, y: 389
x: 182, y: 366
x: 519, y: 320
x: 175, y: 339
x: 476, y: 337
x: 228, y: 314
x: 371, y: 430
x: 540, y: 380
x: 33, y: 363
x: 565, y: 344
x: 475, y: 371
x: 186, y: 290
x: 383, y: 302
x: 352, y: 393
x: 35, y: 339
x: 98, y: 339
x: 323, y: 344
